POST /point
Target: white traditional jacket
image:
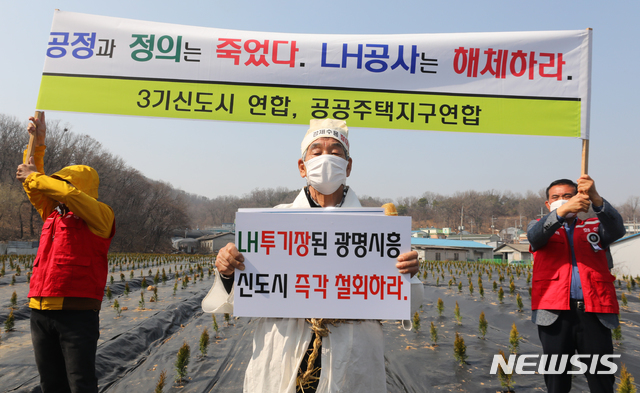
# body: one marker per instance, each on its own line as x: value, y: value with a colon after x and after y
x: 352, y: 354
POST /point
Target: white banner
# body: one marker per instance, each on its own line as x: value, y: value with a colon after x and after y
x: 322, y: 263
x: 530, y: 83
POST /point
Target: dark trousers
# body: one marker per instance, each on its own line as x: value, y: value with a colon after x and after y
x: 577, y: 331
x: 64, y: 344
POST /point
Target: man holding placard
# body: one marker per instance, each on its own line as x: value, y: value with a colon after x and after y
x: 573, y: 298
x: 314, y: 354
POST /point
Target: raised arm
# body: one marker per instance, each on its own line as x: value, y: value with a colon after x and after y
x: 43, y: 204
x: 539, y: 231
x: 611, y: 222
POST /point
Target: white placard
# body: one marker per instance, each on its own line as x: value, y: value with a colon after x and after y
x: 321, y: 264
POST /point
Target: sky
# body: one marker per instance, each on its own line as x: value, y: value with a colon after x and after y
x: 212, y: 158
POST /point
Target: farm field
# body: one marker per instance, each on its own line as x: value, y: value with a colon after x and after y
x: 143, y: 340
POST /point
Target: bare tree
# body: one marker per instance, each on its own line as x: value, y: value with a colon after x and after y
x: 630, y: 210
x: 145, y: 211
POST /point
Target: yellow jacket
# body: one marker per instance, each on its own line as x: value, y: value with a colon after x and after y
x: 80, y: 196
x: 77, y: 187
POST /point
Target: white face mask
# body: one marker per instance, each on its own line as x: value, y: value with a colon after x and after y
x: 555, y: 205
x: 326, y: 173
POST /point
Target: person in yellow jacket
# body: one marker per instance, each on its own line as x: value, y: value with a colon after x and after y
x: 70, y: 269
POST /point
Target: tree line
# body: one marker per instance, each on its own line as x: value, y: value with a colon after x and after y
x: 147, y: 211
x: 477, y: 211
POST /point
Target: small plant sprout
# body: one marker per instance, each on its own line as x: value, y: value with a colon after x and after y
x: 460, y: 349
x: 14, y: 299
x: 514, y: 339
x: 215, y: 324
x: 482, y: 325
x: 456, y: 312
x: 9, y: 322
x: 182, y: 361
x: 434, y: 334
x: 116, y: 306
x: 506, y: 379
x: 626, y: 384
x: 440, y: 307
x: 204, y: 342
x: 416, y: 322
x: 161, y: 381
x: 500, y: 294
x: 616, y: 334
x: 519, y: 302
x: 141, y: 302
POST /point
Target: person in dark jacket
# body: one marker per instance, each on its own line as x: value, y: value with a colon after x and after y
x: 572, y: 296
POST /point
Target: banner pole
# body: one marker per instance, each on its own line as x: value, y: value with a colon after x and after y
x: 586, y: 123
x: 585, y: 156
x: 32, y: 137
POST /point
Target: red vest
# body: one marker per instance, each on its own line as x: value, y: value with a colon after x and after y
x: 552, y: 272
x: 71, y: 260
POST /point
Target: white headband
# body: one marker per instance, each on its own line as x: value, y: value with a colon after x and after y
x: 326, y: 128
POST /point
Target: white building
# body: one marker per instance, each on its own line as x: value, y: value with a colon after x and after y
x: 626, y: 256
x: 632, y: 227
x: 450, y: 250
x: 513, y: 252
x: 213, y: 243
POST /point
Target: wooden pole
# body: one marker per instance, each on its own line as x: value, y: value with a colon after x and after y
x: 585, y: 156
x: 31, y: 146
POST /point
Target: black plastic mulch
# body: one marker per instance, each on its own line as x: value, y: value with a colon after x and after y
x: 135, y: 348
